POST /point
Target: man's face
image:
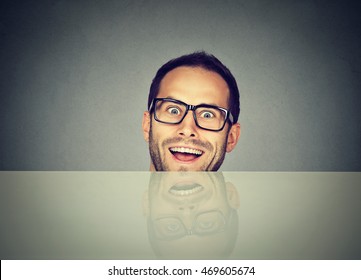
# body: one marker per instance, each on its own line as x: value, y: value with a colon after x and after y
x: 185, y: 146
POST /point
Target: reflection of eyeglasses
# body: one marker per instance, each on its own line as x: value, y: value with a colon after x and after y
x: 172, y: 111
x: 205, y: 223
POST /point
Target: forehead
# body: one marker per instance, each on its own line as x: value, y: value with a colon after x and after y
x: 195, y: 85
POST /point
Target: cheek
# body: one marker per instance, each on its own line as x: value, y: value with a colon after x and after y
x: 159, y: 129
x: 217, y: 140
x: 162, y: 132
x: 156, y: 132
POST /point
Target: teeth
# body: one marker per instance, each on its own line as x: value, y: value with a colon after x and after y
x: 186, y: 150
x: 186, y: 192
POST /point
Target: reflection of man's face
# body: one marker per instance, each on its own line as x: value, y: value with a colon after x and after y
x: 189, y: 215
x: 202, y: 149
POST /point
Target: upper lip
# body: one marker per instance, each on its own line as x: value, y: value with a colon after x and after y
x: 184, y: 149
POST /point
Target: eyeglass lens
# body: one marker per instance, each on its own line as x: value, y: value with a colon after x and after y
x: 204, y: 223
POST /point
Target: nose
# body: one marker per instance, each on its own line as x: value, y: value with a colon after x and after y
x: 187, y: 213
x: 188, y: 127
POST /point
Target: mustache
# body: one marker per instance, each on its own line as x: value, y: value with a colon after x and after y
x: 195, y: 142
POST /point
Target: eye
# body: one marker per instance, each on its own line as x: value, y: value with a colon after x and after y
x: 206, y: 225
x: 172, y: 227
x: 207, y: 115
x: 173, y: 111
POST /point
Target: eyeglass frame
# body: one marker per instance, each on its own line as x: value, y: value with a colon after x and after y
x: 192, y: 231
x: 228, y: 117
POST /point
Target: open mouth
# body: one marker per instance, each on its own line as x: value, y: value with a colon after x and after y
x: 185, y: 189
x: 185, y: 154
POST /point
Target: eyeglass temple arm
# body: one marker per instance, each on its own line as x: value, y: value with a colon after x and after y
x: 230, y: 117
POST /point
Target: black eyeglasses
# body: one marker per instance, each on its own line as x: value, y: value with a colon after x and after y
x: 204, y: 223
x: 172, y: 111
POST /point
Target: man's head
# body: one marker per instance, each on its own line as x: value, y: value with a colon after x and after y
x: 193, y: 108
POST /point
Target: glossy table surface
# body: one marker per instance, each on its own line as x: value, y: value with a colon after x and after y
x: 144, y: 215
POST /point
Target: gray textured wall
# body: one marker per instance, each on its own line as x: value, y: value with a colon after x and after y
x: 74, y: 79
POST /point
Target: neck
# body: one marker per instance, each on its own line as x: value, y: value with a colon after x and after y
x: 152, y: 168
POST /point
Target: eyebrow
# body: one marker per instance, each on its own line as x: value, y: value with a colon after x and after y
x: 212, y: 104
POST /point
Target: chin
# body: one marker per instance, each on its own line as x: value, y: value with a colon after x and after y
x: 185, y: 167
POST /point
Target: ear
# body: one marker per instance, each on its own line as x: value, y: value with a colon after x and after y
x: 146, y: 125
x: 232, y: 196
x: 233, y: 136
